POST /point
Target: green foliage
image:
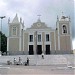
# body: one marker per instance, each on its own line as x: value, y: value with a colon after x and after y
x: 3, y: 42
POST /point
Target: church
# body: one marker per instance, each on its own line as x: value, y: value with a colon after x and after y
x: 39, y: 38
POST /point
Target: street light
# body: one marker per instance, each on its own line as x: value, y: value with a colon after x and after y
x: 1, y: 17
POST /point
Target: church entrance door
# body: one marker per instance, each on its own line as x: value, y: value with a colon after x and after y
x: 39, y: 49
x: 31, y: 52
x: 47, y: 49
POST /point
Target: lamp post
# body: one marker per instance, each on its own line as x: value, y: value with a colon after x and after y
x: 1, y: 17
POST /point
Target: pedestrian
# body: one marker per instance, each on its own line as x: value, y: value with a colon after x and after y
x: 14, y: 61
x: 42, y: 55
x: 20, y: 61
x: 27, y: 61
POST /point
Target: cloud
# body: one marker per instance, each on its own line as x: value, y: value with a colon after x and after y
x: 29, y: 9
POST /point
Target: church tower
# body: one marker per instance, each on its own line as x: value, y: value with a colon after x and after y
x: 15, y: 36
x: 63, y: 35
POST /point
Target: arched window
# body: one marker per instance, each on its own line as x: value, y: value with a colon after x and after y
x: 64, y: 29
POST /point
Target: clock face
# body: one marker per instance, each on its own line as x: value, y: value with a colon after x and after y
x: 38, y: 24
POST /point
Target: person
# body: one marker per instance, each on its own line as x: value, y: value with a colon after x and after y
x: 14, y: 61
x: 20, y: 61
x: 27, y: 61
x: 42, y: 55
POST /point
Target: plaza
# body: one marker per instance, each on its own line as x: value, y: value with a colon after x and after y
x: 36, y: 70
x: 58, y: 65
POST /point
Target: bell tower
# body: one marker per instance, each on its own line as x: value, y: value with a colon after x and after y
x: 15, y: 36
x: 64, y: 34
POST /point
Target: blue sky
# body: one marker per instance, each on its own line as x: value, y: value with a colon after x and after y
x: 29, y: 9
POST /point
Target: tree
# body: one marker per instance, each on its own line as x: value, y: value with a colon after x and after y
x: 3, y: 43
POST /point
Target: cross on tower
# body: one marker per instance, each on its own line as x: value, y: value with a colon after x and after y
x: 63, y: 17
x: 62, y: 13
x: 39, y: 16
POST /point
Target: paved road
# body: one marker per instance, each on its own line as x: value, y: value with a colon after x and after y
x: 35, y: 70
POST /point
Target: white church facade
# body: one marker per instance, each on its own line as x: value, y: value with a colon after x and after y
x: 39, y: 38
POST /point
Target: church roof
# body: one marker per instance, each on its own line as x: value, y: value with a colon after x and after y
x: 38, y: 25
x: 15, y: 20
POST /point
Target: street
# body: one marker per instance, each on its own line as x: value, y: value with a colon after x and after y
x: 35, y: 70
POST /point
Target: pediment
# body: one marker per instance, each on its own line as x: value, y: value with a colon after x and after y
x: 39, y: 25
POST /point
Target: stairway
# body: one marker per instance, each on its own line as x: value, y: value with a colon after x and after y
x: 37, y: 59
